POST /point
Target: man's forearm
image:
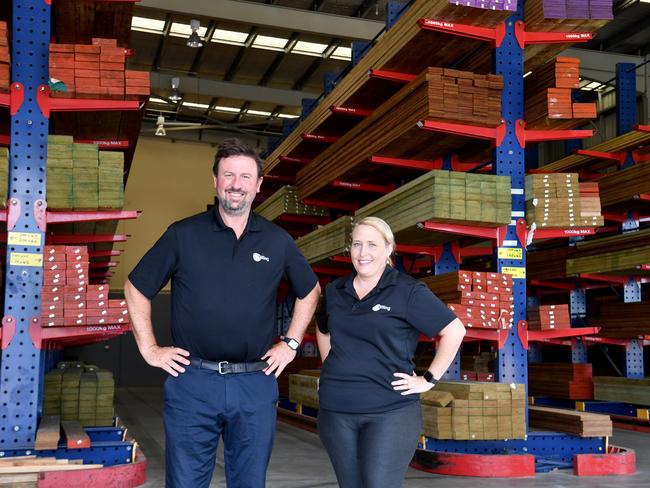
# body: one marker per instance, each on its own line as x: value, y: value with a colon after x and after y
x: 303, y: 311
x: 140, y: 313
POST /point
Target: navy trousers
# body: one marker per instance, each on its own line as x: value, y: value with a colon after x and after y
x: 200, y: 407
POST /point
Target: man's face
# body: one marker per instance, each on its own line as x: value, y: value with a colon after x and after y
x: 237, y: 183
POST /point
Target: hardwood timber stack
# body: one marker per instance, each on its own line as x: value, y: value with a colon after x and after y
x: 549, y: 317
x: 624, y: 261
x: 577, y: 423
x: 95, y: 71
x: 479, y: 299
x: 616, y: 389
x: 478, y: 411
x: 436, y: 94
x: 447, y: 196
x: 561, y: 380
x: 623, y: 320
x: 4, y: 176
x: 619, y: 189
x: 326, y: 241
x: 545, y: 15
x: 548, y: 102
x: 553, y: 200
x: 285, y: 202
x: 303, y: 388
x: 5, y: 58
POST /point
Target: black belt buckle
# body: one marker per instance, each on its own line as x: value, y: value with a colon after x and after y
x: 221, y: 367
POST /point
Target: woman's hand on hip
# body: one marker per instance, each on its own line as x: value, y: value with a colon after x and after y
x: 410, y: 384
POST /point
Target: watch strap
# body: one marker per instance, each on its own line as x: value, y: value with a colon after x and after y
x: 428, y: 375
x: 291, y: 342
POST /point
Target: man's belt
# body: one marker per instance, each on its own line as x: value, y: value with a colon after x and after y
x: 224, y: 367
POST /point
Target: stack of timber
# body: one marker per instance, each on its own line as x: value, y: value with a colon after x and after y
x: 477, y: 367
x: 582, y: 424
x: 303, y: 388
x: 561, y: 380
x: 509, y: 5
x: 95, y: 70
x: 621, y: 262
x: 391, y: 130
x: 329, y: 240
x: 453, y: 197
x: 81, y: 177
x: 4, y: 176
x: 553, y: 200
x: 474, y: 411
x: 405, y: 48
x: 5, y: 58
x: 549, y: 317
x: 548, y: 101
x: 566, y: 15
x: 285, y: 202
x: 479, y: 299
x: 589, y: 200
x: 629, y: 141
x: 80, y: 392
x: 622, y: 320
x: 616, y: 389
x: 619, y: 189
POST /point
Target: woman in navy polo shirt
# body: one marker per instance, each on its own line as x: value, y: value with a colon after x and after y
x: 369, y: 418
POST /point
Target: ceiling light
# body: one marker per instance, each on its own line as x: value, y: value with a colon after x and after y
x: 194, y: 40
x: 175, y: 95
x: 160, y: 127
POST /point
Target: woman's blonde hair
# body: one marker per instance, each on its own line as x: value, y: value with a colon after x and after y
x: 383, y: 228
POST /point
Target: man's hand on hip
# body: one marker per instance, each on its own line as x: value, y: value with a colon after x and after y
x: 278, y: 357
x: 168, y: 358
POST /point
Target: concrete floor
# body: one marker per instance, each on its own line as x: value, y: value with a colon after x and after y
x: 299, y: 460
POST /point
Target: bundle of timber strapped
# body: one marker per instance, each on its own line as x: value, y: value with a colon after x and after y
x: 561, y: 15
x: 582, y: 424
x: 303, y: 388
x: 611, y: 262
x: 480, y: 300
x: 96, y: 70
x: 5, y: 59
x: 285, y: 202
x: 623, y: 320
x: 620, y: 188
x: 616, y: 389
x: 561, y: 380
x: 452, y: 197
x: 326, y: 241
x: 478, y: 411
x: 436, y: 94
x: 549, y: 317
x: 553, y: 200
x: 4, y: 176
x: 548, y: 102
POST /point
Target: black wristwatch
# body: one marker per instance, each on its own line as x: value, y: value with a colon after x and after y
x: 428, y: 375
x: 292, y: 343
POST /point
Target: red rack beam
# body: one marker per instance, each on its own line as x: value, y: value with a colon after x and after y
x: 281, y: 179
x: 525, y: 38
x: 432, y: 251
x: 644, y: 197
x: 5, y: 140
x: 348, y: 207
x: 494, y: 134
x: 526, y: 336
x: 104, y: 254
x: 496, y: 233
x: 493, y: 35
x: 295, y: 160
x: 84, y: 238
x: 308, y: 136
x: 102, y: 264
x: 48, y: 104
x: 558, y: 233
x: 613, y: 279
x: 304, y: 219
x: 525, y: 135
x: 106, y: 144
x: 407, y: 163
x: 350, y: 111
x: 642, y: 128
x: 618, y: 157
x: 90, y: 216
x: 363, y: 186
x: 383, y: 74
x: 341, y: 259
x: 559, y: 285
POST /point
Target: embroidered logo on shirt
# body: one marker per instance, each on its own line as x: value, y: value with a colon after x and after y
x: 257, y: 257
x: 379, y: 307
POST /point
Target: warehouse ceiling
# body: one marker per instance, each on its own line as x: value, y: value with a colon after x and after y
x: 260, y: 58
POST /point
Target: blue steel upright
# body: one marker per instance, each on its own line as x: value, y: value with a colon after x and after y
x: 512, y: 365
x: 21, y: 361
x: 626, y: 116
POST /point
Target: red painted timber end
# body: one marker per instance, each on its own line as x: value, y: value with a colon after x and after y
x: 120, y: 476
x: 481, y: 465
x: 617, y: 461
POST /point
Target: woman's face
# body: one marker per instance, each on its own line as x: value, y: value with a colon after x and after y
x: 369, y: 251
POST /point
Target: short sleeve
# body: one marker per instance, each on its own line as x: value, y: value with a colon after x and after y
x: 297, y: 270
x: 426, y: 312
x: 321, y: 315
x: 157, y: 266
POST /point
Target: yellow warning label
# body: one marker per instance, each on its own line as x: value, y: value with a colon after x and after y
x: 25, y: 259
x: 510, y: 253
x: 515, y: 271
x: 24, y: 239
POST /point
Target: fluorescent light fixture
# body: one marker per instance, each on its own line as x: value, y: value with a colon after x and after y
x: 260, y: 113
x: 232, y: 110
x: 144, y: 24
x: 594, y: 85
x: 288, y: 116
x: 528, y: 74
x: 309, y: 48
x: 194, y: 40
x: 343, y: 53
x: 185, y: 30
x: 270, y: 43
x: 202, y: 106
x: 224, y: 36
x: 157, y: 100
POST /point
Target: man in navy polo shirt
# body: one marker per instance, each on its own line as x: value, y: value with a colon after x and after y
x: 225, y: 266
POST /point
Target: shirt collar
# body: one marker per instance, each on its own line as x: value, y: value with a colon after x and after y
x: 252, y: 225
x: 388, y: 278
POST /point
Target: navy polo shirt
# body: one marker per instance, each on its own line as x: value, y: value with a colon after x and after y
x: 223, y: 289
x: 373, y: 338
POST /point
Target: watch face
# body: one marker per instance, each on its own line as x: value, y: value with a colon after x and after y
x: 292, y: 343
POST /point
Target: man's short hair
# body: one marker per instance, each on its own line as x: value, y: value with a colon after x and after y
x: 235, y: 147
